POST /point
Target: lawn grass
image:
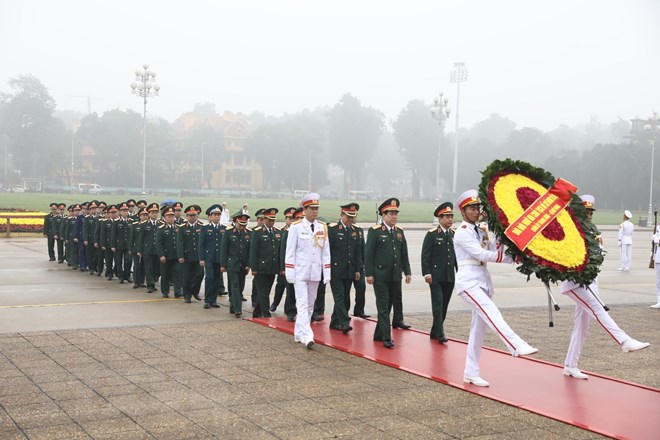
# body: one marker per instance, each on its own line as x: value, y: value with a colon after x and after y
x: 411, y: 212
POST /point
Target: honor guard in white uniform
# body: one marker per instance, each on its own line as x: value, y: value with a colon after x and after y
x: 626, y: 230
x: 307, y: 258
x: 473, y: 249
x: 587, y: 307
x: 656, y: 260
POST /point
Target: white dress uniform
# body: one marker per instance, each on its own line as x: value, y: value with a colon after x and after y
x: 656, y: 260
x: 474, y: 286
x: 625, y: 241
x: 307, y: 258
x: 588, y: 307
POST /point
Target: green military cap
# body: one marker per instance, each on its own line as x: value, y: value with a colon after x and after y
x: 153, y: 207
x: 259, y: 213
x: 193, y: 209
x: 350, y: 209
x: 240, y: 218
x: 214, y: 209
x: 169, y: 210
x: 288, y: 212
x: 270, y: 213
x: 444, y: 208
x: 391, y: 204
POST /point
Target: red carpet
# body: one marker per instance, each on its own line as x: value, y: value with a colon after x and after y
x: 601, y: 404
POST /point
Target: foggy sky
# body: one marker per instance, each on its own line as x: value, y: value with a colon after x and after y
x: 538, y: 63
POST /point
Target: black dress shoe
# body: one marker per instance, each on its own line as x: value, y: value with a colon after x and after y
x: 388, y: 344
x: 244, y: 299
x: 98, y: 274
x: 92, y: 273
x: 402, y: 325
x: 345, y: 329
x: 121, y: 281
x: 215, y: 306
x: 336, y: 327
x: 188, y: 301
x: 150, y: 290
x: 291, y: 318
x: 52, y: 259
x: 361, y: 315
x: 442, y: 340
x: 207, y: 306
x: 166, y: 295
x: 197, y: 297
x: 273, y: 308
x: 60, y: 261
x: 177, y: 295
x: 135, y: 286
x: 238, y: 315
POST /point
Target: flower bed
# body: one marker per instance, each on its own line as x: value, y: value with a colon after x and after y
x: 561, y: 251
x: 22, y: 221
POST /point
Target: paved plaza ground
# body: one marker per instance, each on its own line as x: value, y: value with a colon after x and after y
x: 81, y: 357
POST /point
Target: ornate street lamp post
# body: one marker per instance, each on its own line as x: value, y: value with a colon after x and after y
x: 439, y: 112
x: 458, y: 74
x: 145, y: 87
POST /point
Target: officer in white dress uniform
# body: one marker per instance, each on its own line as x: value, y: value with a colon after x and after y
x: 626, y: 230
x: 586, y: 308
x: 474, y: 285
x: 307, y: 258
x: 656, y: 260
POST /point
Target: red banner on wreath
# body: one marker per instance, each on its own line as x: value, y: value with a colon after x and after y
x: 540, y: 213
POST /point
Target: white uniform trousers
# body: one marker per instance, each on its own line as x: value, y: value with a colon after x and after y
x: 485, y: 314
x: 626, y: 256
x: 586, y: 308
x: 305, y: 297
x: 657, y: 281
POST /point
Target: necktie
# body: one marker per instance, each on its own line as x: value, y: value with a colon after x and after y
x: 311, y: 225
x: 476, y: 231
x: 392, y: 233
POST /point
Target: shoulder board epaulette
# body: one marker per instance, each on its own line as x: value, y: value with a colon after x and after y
x: 161, y: 226
x: 87, y: 215
x: 376, y: 226
x: 178, y: 225
x: 103, y: 219
x: 199, y: 223
x: 229, y: 228
x: 452, y: 231
x: 398, y: 227
x: 323, y: 223
x: 296, y: 222
x: 332, y: 225
x: 433, y: 229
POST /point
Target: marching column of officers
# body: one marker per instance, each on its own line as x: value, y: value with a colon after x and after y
x: 300, y: 259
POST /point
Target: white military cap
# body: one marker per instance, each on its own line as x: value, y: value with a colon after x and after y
x: 589, y: 201
x: 311, y: 199
x: 469, y: 197
x: 627, y: 213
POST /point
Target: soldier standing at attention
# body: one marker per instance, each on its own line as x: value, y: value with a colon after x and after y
x: 146, y: 247
x: 187, y: 237
x: 55, y: 227
x: 307, y: 261
x: 78, y: 236
x: 280, y: 286
x: 626, y: 230
x: 119, y: 244
x: 167, y: 251
x: 48, y: 231
x: 235, y: 260
x: 361, y: 284
x: 177, y: 280
x: 106, y: 245
x: 71, y: 240
x: 474, y: 285
x: 100, y: 255
x: 88, y: 237
x: 138, y: 261
x: 210, y: 238
x: 346, y: 260
x: 386, y: 259
x: 265, y: 261
x: 259, y: 215
x: 439, y: 267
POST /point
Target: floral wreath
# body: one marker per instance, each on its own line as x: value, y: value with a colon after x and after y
x: 567, y: 249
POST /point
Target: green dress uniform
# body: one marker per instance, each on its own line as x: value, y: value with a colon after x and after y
x: 439, y: 261
x: 235, y: 258
x: 360, y: 285
x: 265, y: 261
x: 71, y: 246
x: 192, y: 273
x: 50, y: 236
x: 345, y: 260
x: 138, y: 261
x: 55, y: 228
x: 100, y: 255
x: 166, y: 247
x: 146, y: 245
x: 104, y: 240
x: 120, y: 241
x: 386, y: 259
x: 89, y: 225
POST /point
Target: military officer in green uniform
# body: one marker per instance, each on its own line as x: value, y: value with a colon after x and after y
x: 48, y: 231
x: 280, y: 285
x: 360, y: 285
x: 187, y: 237
x: 346, y: 261
x: 56, y: 228
x: 105, y: 239
x: 259, y: 216
x: 88, y: 236
x: 386, y: 259
x: 120, y: 244
x: 210, y: 238
x: 70, y: 238
x: 439, y: 267
x: 100, y: 255
x: 235, y: 259
x: 265, y: 261
x: 138, y: 261
x: 167, y: 251
x: 146, y: 247
x: 177, y: 280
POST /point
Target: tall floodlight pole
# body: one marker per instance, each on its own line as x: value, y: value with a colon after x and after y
x: 145, y: 87
x: 458, y: 74
x: 439, y: 112
x: 652, y: 128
